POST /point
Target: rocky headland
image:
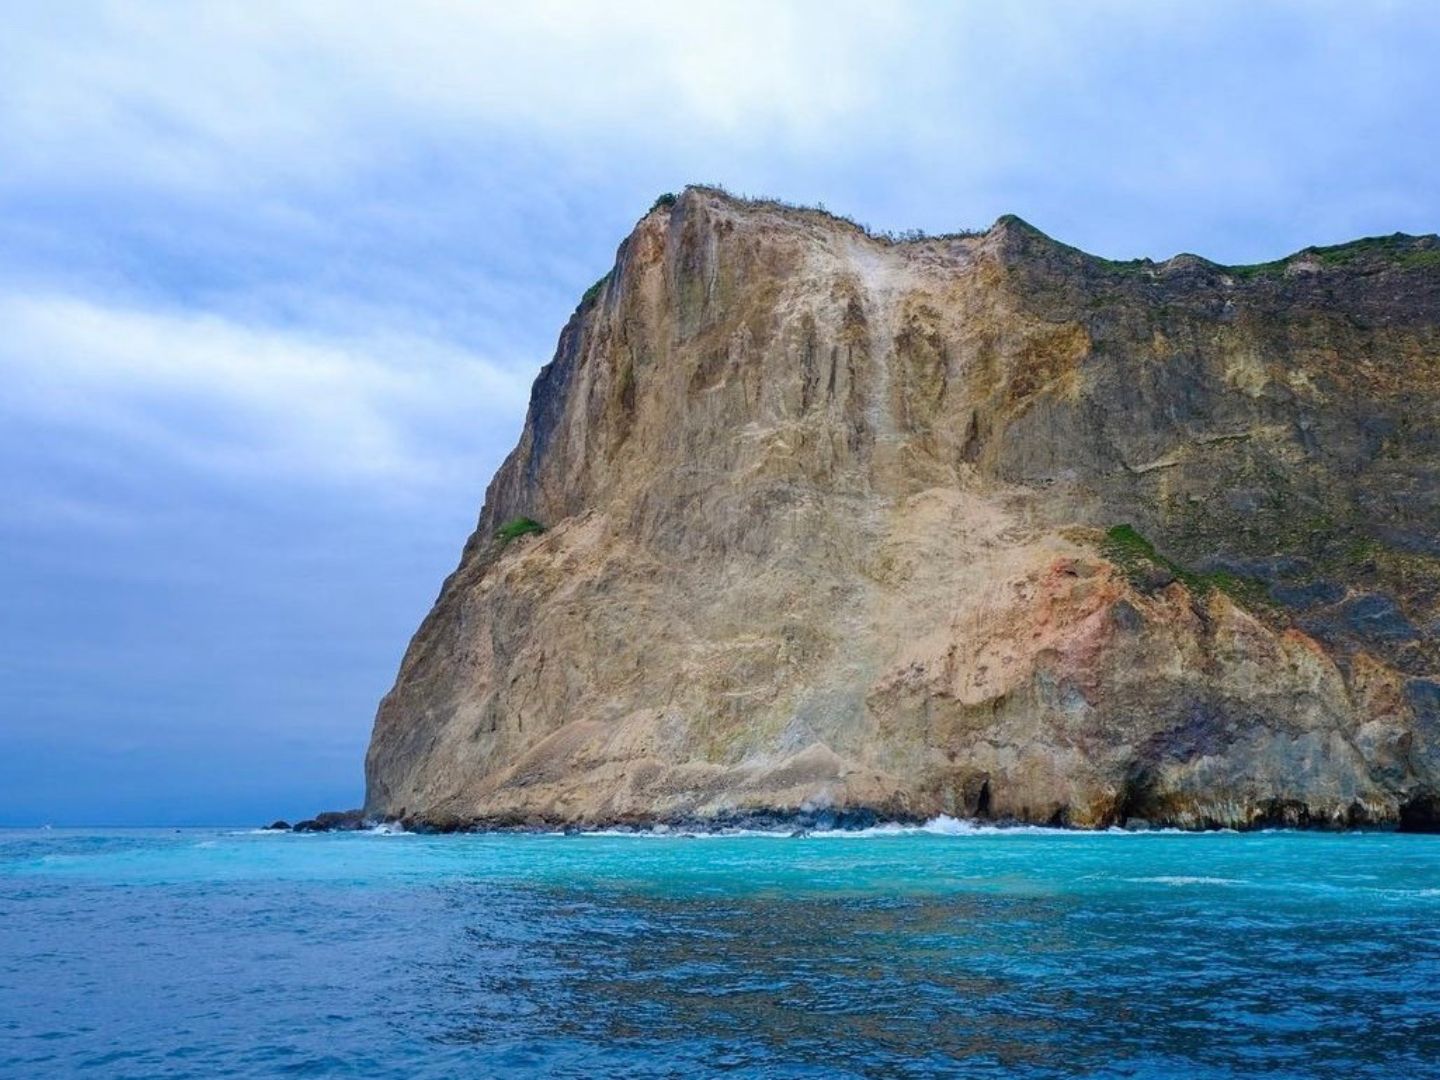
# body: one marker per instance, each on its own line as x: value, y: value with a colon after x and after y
x: 811, y: 524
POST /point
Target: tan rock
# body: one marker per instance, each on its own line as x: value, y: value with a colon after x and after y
x: 826, y: 528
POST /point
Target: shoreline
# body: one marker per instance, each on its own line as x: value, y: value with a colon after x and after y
x: 803, y: 823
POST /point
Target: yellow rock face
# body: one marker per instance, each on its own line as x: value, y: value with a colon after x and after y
x: 826, y: 529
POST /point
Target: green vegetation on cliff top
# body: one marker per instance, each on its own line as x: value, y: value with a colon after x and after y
x: 1402, y: 250
x: 1399, y: 249
x: 885, y: 236
x: 594, y: 290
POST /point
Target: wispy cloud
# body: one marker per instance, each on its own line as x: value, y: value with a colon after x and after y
x: 254, y: 403
x: 1136, y: 128
x: 299, y: 92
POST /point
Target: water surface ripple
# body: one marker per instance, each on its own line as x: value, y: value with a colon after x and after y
x: 1030, y: 953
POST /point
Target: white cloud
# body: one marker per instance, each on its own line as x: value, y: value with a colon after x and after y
x: 230, y: 94
x: 394, y: 413
x: 1222, y: 114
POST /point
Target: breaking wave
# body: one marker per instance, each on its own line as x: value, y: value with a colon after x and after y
x: 943, y: 825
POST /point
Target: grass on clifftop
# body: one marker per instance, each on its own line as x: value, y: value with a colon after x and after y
x: 1397, y: 250
x: 1400, y: 249
x: 517, y: 527
x: 1138, y: 560
x: 594, y: 290
x: 884, y: 236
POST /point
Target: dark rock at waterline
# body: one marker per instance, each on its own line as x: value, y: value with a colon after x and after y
x: 758, y: 820
x: 333, y: 821
x: 428, y: 827
x: 791, y: 821
x: 280, y: 825
x: 1421, y: 813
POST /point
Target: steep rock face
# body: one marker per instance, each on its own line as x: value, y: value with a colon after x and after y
x: 834, y: 522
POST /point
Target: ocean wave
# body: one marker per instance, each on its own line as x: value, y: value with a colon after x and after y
x: 1182, y: 879
x: 384, y: 828
x: 943, y: 825
x: 388, y: 828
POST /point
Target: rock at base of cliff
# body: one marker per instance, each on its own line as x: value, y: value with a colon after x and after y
x: 334, y: 821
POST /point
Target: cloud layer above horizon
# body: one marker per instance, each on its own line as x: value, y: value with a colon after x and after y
x: 275, y: 278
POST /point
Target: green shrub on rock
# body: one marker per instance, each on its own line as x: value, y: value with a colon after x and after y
x: 517, y: 527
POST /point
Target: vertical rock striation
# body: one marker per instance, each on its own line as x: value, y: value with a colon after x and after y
x: 975, y: 525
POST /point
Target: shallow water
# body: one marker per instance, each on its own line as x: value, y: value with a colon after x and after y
x: 1026, y: 953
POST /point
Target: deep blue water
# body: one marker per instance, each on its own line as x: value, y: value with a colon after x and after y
x: 1019, y: 954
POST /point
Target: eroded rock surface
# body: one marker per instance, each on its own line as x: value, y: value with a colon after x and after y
x: 833, y: 524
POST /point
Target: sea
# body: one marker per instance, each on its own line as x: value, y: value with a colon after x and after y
x: 943, y: 950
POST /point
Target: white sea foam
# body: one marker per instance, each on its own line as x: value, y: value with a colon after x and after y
x: 388, y: 828
x: 385, y: 828
x: 1180, y: 880
x: 943, y: 825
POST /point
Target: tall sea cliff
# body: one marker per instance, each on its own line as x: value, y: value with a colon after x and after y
x: 805, y: 520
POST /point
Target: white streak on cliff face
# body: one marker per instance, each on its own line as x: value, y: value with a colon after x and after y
x: 885, y: 277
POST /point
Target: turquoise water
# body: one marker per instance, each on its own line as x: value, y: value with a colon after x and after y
x: 1025, y: 953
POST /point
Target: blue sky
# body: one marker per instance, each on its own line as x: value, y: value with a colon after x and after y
x: 275, y: 277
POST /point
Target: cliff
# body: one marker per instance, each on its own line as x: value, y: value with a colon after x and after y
x: 977, y: 525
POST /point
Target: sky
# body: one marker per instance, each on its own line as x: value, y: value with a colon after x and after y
x: 275, y: 278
